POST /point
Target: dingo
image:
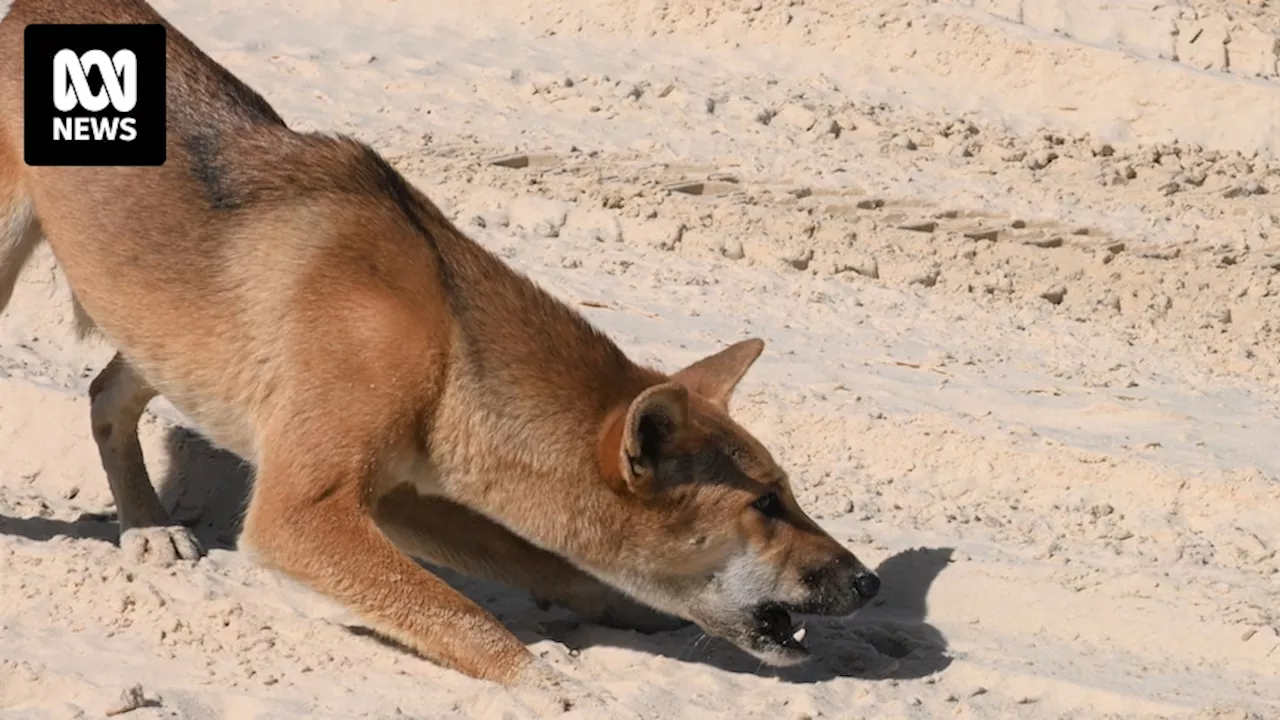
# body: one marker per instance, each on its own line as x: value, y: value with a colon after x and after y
x: 399, y: 390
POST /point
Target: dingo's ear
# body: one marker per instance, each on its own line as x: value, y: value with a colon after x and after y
x: 715, y: 376
x: 636, y: 442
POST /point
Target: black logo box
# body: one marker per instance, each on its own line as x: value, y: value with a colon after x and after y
x: 41, y: 43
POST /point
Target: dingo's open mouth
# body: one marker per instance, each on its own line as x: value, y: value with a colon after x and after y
x: 775, y: 638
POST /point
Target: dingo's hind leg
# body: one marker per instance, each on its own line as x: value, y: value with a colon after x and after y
x: 118, y: 395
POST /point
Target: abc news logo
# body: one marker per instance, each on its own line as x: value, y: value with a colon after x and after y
x: 71, y: 89
x: 94, y: 95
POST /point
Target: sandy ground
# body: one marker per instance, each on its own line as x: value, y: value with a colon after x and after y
x: 1018, y: 266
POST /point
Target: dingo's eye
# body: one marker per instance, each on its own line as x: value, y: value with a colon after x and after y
x: 769, y: 505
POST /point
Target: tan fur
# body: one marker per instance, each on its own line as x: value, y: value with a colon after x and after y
x: 398, y: 389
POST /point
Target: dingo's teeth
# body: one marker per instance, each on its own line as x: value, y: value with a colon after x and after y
x: 799, y: 636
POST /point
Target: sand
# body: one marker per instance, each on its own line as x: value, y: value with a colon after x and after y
x: 1018, y: 267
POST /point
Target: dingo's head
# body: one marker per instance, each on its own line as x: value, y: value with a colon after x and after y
x: 715, y: 534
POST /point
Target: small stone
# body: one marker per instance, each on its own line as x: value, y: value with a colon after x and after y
x: 631, y: 91
x: 687, y: 187
x: 519, y: 160
x: 539, y: 215
x: 1164, y: 254
x: 869, y: 204
x: 798, y: 258
x: 662, y: 235
x: 1169, y: 188
x: 982, y: 234
x: 999, y: 283
x: 1040, y: 159
x: 1101, y: 149
x: 905, y: 142
x: 1054, y: 294
x: 732, y: 249
x: 1109, y: 177
x: 1052, y: 241
x: 796, y: 117
x: 130, y: 699
x: 607, y: 229
x: 1194, y: 178
x: 1018, y: 224
x: 960, y: 127
x: 857, y: 262
x: 926, y: 277
x: 926, y: 226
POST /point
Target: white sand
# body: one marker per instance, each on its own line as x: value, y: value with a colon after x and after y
x: 1074, y: 505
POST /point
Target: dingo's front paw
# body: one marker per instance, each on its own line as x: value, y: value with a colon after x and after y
x: 551, y: 693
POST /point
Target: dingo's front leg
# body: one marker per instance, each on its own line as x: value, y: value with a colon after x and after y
x: 309, y: 518
x: 443, y: 532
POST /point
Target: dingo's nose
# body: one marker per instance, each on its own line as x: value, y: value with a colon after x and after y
x: 866, y: 584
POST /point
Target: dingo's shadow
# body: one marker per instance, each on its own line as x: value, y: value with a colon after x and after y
x: 206, y: 489
x: 203, y: 487
x: 42, y: 529
x: 890, y: 639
